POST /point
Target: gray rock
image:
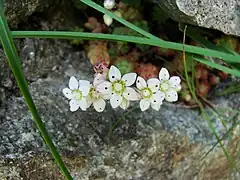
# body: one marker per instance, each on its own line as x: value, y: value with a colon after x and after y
x: 142, y: 146
x: 223, y: 15
x: 85, y: 132
x: 19, y: 10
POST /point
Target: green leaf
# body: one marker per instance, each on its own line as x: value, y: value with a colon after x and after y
x: 195, y: 34
x: 153, y: 42
x: 234, y: 72
x: 14, y: 62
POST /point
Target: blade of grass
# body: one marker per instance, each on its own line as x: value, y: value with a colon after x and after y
x: 195, y: 34
x: 14, y: 62
x: 223, y: 136
x: 234, y: 72
x: 164, y: 44
x: 233, y: 88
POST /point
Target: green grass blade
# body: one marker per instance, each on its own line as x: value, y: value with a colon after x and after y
x: 14, y: 62
x: 191, y: 87
x: 119, y: 19
x: 164, y: 44
x: 234, y: 72
x: 195, y: 34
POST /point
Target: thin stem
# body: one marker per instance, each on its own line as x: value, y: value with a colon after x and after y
x: 120, y: 119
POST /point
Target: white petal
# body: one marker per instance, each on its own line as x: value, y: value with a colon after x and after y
x: 178, y: 88
x: 156, y: 106
x: 129, y: 78
x: 114, y: 74
x: 175, y: 81
x: 116, y: 100
x: 106, y: 96
x: 155, y: 99
x: 144, y: 104
x: 141, y: 83
x: 73, y: 83
x: 153, y: 84
x: 74, y: 105
x: 84, y: 86
x: 83, y: 104
x: 131, y: 94
x: 161, y: 95
x: 99, y: 78
x: 67, y: 93
x: 164, y: 74
x: 89, y: 102
x: 125, y: 104
x: 105, y: 88
x: 99, y: 105
x: 171, y: 95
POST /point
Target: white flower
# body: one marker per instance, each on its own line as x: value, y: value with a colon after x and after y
x: 150, y: 93
x: 169, y: 85
x: 109, y: 4
x: 118, y: 87
x: 77, y: 92
x: 97, y: 99
x: 107, y: 19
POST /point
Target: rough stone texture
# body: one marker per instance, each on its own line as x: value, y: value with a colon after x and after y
x: 152, y: 145
x: 19, y: 10
x: 223, y: 15
x: 160, y: 155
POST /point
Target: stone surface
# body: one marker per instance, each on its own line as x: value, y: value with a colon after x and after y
x: 223, y: 15
x: 19, y: 10
x: 167, y: 144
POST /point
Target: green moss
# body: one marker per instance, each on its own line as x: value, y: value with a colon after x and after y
x: 124, y: 66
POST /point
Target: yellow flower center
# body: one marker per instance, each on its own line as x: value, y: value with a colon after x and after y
x: 77, y: 94
x: 94, y: 94
x: 146, y: 93
x: 164, y: 86
x: 118, y: 87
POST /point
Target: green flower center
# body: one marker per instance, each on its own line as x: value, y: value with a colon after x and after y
x: 77, y: 94
x: 164, y: 86
x: 94, y: 94
x: 146, y: 93
x: 118, y: 87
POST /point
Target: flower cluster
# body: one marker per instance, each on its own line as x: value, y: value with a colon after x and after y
x: 110, y: 84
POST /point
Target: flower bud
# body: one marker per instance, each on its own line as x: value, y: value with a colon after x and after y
x: 107, y: 19
x: 109, y: 4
